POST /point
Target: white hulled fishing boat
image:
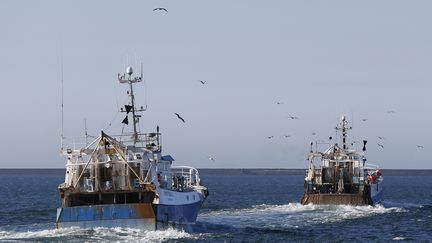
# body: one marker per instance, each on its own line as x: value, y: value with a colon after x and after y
x: 340, y: 175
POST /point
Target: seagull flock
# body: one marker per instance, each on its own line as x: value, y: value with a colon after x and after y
x: 203, y: 82
x: 380, y: 145
x: 280, y: 103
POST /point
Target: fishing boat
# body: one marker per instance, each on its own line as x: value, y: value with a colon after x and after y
x: 125, y: 180
x: 340, y: 174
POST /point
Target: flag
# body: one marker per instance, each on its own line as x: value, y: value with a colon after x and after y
x: 128, y: 108
x: 126, y: 120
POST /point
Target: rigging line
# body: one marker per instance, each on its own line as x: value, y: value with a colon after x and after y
x: 115, y: 117
x: 124, y: 126
x: 118, y: 108
x: 112, y: 120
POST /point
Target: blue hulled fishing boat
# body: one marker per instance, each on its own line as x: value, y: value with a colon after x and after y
x: 125, y: 180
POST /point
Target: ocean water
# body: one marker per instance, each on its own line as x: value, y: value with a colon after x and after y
x: 240, y: 208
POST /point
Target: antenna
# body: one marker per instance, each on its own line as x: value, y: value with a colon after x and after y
x: 145, y: 87
x: 62, y: 104
x: 352, y: 125
x: 141, y: 71
x: 85, y: 131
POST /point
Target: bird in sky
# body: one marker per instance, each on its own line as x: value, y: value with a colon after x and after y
x: 420, y: 146
x: 381, y: 138
x: 202, y: 82
x: 278, y: 103
x: 293, y: 117
x: 160, y: 9
x: 179, y: 117
x: 211, y: 158
x: 382, y: 146
x: 364, y: 119
x: 314, y: 133
x: 287, y: 136
x: 270, y: 137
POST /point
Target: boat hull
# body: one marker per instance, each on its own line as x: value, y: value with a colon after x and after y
x: 143, y: 216
x: 371, y: 197
x: 376, y: 192
x: 350, y: 199
x: 181, y: 214
x: 136, y: 215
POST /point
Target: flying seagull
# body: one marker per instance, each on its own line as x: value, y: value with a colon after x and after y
x: 364, y: 119
x: 314, y: 133
x: 287, y: 136
x: 269, y: 137
x: 381, y: 137
x: 179, y: 117
x: 161, y: 9
x: 293, y: 117
x: 211, y: 158
x: 279, y: 103
x: 382, y: 146
x: 420, y: 146
x: 202, y: 82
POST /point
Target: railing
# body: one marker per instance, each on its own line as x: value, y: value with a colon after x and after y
x: 189, y: 174
x: 144, y: 138
x: 148, y: 140
x: 371, y: 166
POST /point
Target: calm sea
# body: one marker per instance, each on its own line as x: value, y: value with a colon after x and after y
x: 240, y: 207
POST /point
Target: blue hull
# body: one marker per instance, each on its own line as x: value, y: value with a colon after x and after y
x: 138, y: 215
x: 181, y: 214
x: 377, y: 192
x: 378, y: 197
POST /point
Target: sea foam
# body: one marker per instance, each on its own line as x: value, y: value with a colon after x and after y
x: 292, y: 214
x: 94, y: 235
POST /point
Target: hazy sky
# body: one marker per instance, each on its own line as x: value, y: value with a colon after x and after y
x: 321, y: 59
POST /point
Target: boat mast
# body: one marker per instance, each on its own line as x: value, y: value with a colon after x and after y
x: 133, y: 110
x: 135, y: 118
x: 343, y: 126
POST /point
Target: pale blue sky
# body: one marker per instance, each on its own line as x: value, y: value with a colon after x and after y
x: 322, y: 59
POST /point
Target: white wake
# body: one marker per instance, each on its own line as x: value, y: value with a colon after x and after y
x: 292, y: 214
x: 95, y: 235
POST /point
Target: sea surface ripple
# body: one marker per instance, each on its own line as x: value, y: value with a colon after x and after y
x: 246, y: 208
